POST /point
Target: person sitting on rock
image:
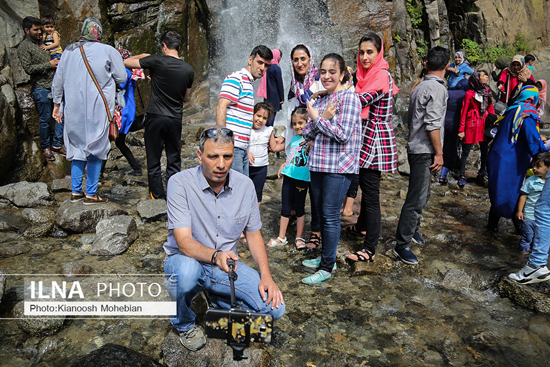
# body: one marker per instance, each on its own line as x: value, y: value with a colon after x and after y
x: 209, y: 206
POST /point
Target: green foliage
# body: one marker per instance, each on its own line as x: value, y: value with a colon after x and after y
x: 397, y: 37
x: 415, y: 11
x: 480, y: 54
x: 421, y: 47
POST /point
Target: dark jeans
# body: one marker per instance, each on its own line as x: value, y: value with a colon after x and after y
x: 328, y: 191
x: 353, y: 186
x: 370, y: 217
x: 417, y: 198
x: 44, y: 105
x: 120, y: 143
x: 315, y: 216
x: 162, y: 132
x: 258, y: 176
x: 293, y: 196
x: 483, y: 148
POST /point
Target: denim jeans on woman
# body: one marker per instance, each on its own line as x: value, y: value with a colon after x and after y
x: 328, y: 190
x: 417, y: 198
x: 187, y: 277
x: 541, y: 245
x: 93, y: 169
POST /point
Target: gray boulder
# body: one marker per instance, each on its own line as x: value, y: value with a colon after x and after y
x: 63, y: 184
x: 114, y: 235
x: 37, y: 216
x: 79, y: 218
x: 37, y: 325
x: 12, y: 223
x: 215, y: 353
x: 26, y: 194
x: 152, y: 210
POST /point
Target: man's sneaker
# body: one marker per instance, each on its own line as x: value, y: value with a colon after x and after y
x: 61, y: 150
x: 417, y: 239
x: 48, y: 154
x: 193, y: 339
x: 529, y: 274
x: 319, y: 277
x: 406, y: 255
x: 314, y: 263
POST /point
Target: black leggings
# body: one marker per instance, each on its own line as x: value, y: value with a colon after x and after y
x: 120, y: 143
x: 294, y: 194
x: 370, y: 217
x: 483, y: 148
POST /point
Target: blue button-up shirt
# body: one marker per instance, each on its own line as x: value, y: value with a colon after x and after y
x: 216, y: 220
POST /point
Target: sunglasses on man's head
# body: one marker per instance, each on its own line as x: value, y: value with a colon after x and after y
x: 213, y: 131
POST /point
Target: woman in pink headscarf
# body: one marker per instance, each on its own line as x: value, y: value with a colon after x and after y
x: 541, y: 107
x: 271, y: 86
x: 375, y: 88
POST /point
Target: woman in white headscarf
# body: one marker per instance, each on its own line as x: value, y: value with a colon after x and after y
x: 458, y: 70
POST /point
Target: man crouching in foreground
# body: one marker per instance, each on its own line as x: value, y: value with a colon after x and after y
x: 209, y: 206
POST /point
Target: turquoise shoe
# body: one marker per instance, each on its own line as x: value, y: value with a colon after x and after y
x: 314, y: 263
x: 319, y: 277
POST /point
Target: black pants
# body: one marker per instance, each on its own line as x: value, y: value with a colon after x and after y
x: 293, y: 196
x: 120, y: 143
x: 162, y: 132
x: 370, y: 216
x: 483, y: 148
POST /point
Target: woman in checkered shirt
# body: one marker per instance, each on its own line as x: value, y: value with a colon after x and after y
x: 375, y: 88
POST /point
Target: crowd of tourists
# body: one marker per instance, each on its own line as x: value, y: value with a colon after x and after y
x: 339, y: 138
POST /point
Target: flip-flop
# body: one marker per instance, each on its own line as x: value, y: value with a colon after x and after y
x: 352, y: 228
x: 361, y: 258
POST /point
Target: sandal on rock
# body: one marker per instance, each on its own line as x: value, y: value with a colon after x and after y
x: 94, y: 200
x: 300, y: 243
x: 352, y: 228
x: 277, y: 242
x: 361, y: 258
x: 443, y: 181
x: 314, y: 241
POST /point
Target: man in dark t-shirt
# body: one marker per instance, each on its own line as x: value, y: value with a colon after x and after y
x: 171, y: 80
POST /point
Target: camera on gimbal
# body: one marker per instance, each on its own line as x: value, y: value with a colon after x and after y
x: 238, y: 326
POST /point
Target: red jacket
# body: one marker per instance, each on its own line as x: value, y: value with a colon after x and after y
x: 471, y: 123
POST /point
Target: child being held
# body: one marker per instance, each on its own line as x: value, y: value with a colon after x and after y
x: 260, y: 138
x: 529, y: 194
x: 295, y: 182
x: 51, y: 39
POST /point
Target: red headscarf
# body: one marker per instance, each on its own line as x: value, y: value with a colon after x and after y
x: 374, y: 78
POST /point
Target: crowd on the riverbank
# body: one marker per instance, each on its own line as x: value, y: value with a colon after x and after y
x: 339, y: 138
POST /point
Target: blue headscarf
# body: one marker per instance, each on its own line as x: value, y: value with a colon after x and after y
x: 523, y: 107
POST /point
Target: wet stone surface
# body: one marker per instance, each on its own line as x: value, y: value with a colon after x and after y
x: 454, y: 308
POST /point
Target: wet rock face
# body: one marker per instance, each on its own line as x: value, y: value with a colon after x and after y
x: 112, y: 355
x: 26, y: 194
x: 114, y: 235
x: 215, y: 353
x: 79, y: 218
x: 152, y: 210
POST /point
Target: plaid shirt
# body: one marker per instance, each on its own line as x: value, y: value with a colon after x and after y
x: 336, y: 142
x: 36, y: 63
x: 378, y: 151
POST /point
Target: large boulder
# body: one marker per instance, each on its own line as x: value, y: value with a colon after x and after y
x: 79, y: 218
x: 152, y: 210
x: 114, y: 235
x: 26, y: 194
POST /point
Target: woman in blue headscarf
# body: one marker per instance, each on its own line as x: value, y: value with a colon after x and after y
x: 458, y: 70
x: 516, y: 141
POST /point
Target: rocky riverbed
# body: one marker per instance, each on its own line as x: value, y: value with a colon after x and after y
x: 454, y: 308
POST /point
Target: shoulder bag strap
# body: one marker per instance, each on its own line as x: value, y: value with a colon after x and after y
x: 96, y: 84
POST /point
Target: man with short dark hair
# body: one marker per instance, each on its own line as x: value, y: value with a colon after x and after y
x: 426, y: 117
x: 236, y: 103
x: 171, y: 80
x: 209, y: 206
x: 37, y: 63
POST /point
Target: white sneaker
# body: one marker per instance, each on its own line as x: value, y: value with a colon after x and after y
x: 529, y: 274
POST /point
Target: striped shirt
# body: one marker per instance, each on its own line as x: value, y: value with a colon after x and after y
x: 238, y: 88
x: 336, y: 142
x: 378, y: 150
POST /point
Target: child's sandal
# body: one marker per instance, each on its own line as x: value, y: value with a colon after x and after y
x: 277, y: 242
x: 300, y: 243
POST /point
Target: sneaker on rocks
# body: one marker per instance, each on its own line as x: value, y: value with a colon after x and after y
x: 193, y: 339
x: 417, y: 239
x: 406, y: 255
x: 314, y: 263
x: 48, y: 154
x: 530, y: 274
x: 319, y: 277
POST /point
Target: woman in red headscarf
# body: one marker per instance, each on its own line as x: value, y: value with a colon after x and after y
x: 375, y: 88
x: 271, y: 86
